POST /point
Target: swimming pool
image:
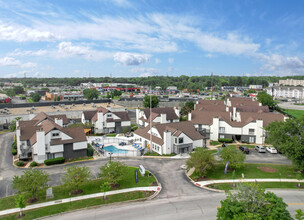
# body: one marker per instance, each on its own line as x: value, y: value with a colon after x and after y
x: 115, y: 150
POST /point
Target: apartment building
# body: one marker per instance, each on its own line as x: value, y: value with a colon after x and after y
x: 286, y: 92
x: 46, y: 137
x: 107, y: 120
x: 291, y: 82
x: 240, y: 119
x: 178, y: 137
x: 158, y: 115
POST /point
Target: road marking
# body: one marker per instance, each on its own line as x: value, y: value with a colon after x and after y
x: 295, y: 203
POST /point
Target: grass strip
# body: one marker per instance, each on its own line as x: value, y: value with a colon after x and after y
x: 267, y: 185
x: 65, y: 207
x: 250, y: 171
x: 90, y: 187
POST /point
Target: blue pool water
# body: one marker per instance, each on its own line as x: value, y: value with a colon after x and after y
x: 114, y: 150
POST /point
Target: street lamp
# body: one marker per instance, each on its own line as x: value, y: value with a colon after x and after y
x: 110, y: 156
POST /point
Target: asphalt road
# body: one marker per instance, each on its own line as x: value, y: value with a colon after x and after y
x: 199, y: 206
x: 290, y: 105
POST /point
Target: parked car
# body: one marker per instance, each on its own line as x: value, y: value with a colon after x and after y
x: 122, y: 143
x: 272, y: 150
x: 260, y: 149
x: 244, y: 149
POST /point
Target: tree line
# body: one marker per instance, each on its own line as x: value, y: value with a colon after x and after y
x: 181, y: 82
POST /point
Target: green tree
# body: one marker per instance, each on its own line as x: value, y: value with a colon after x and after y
x: 235, y: 157
x: 188, y: 107
x: 113, y: 172
x: 299, y: 177
x: 116, y: 93
x: 58, y: 98
x: 11, y: 93
x: 251, y: 202
x: 32, y: 181
x: 288, y: 138
x: 35, y: 97
x: 75, y: 176
x: 20, y: 203
x: 299, y: 215
x: 13, y: 126
x: 18, y: 90
x: 105, y: 187
x: 266, y: 99
x: 90, y: 94
x: 202, y: 160
x: 154, y: 101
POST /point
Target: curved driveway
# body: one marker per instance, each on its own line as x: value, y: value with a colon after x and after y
x: 179, y: 199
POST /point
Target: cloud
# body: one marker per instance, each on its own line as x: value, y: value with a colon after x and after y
x: 145, y: 72
x: 157, y: 61
x: 171, y: 60
x: 282, y: 65
x: 129, y: 59
x: 18, y: 52
x: 10, y: 61
x: 21, y: 33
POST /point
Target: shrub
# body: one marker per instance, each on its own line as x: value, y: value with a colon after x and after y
x: 20, y: 163
x: 225, y: 140
x: 90, y: 150
x: 14, y: 151
x: 54, y: 161
x: 34, y: 164
x: 14, y: 145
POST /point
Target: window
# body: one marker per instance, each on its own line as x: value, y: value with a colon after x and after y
x: 251, y: 131
x: 109, y: 115
x: 55, y: 134
x: 176, y: 140
x: 222, y: 136
x: 181, y: 140
x: 222, y: 129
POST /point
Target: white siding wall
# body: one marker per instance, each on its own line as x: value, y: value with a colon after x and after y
x: 56, y: 148
x: 80, y: 145
x: 126, y: 123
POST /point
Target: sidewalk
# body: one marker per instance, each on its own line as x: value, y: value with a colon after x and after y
x: 204, y: 184
x: 73, y: 199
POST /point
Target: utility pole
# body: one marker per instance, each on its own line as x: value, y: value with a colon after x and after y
x: 150, y: 120
x: 211, y: 86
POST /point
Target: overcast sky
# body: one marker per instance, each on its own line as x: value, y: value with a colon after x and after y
x: 75, y: 38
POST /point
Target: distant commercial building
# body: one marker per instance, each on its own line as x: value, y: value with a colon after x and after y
x: 291, y: 82
x: 286, y: 92
x: 256, y: 87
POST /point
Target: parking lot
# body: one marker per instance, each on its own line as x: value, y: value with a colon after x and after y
x: 256, y: 157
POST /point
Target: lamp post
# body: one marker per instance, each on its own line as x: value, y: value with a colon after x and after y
x: 110, y: 156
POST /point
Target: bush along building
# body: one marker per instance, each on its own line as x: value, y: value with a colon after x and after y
x: 240, y: 119
x: 47, y: 137
x: 158, y: 115
x: 107, y: 120
x: 168, y: 138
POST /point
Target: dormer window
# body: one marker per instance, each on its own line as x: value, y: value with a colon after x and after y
x: 109, y: 115
x: 55, y: 134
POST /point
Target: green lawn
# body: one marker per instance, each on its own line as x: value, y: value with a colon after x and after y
x: 251, y: 171
x: 55, y: 209
x: 30, y: 101
x: 92, y: 186
x: 214, y: 143
x: 295, y: 113
x: 229, y: 186
x: 111, y: 135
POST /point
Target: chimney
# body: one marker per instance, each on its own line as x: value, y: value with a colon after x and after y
x: 59, y: 121
x: 177, y: 111
x: 163, y: 118
x: 189, y: 116
x: 233, y: 113
x: 227, y: 109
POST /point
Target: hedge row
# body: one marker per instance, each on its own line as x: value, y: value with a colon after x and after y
x: 54, y: 161
x: 225, y: 140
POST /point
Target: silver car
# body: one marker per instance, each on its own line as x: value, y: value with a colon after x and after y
x: 260, y: 149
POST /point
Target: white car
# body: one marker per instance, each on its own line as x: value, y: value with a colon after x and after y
x: 272, y: 150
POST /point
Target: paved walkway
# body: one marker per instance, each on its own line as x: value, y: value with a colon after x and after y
x: 204, y: 184
x: 73, y: 199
